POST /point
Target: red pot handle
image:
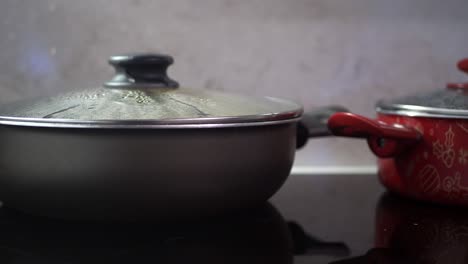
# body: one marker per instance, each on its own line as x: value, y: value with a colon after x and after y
x: 462, y: 66
x: 384, y: 139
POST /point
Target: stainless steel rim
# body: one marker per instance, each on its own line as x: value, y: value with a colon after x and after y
x: 291, y: 115
x: 421, y: 111
x: 132, y: 124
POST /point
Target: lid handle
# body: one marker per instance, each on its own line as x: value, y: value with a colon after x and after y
x: 141, y: 70
x: 462, y: 66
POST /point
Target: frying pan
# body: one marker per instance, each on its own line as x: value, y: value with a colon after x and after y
x: 141, y: 147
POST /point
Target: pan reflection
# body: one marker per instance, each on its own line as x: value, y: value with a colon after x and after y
x: 256, y: 236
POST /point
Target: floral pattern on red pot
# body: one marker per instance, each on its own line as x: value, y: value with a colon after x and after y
x: 421, y: 142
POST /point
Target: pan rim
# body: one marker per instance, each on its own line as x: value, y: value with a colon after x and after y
x: 289, y: 117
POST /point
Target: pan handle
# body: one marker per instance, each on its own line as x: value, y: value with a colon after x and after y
x: 384, y: 139
x: 304, y: 244
x: 314, y: 123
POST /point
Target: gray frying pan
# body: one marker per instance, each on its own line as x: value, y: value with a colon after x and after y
x: 142, y: 148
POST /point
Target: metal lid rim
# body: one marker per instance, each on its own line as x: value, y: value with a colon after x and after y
x: 83, y: 125
x: 421, y: 111
x: 252, y: 120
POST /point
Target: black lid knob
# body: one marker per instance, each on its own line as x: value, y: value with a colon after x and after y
x: 142, y: 70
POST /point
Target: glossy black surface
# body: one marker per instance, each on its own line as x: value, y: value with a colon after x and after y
x: 313, y: 219
x: 140, y: 69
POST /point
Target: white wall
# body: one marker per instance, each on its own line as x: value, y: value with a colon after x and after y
x: 318, y: 52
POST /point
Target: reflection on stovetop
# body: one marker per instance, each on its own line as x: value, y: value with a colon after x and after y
x: 408, y: 231
x: 378, y: 227
x: 259, y: 235
x: 369, y: 225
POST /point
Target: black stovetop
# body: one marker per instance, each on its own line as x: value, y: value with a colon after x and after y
x: 312, y: 219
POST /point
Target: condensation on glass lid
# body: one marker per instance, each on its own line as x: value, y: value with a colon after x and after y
x: 148, y: 104
x: 440, y: 103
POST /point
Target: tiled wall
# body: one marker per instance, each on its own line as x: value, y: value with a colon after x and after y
x: 318, y: 52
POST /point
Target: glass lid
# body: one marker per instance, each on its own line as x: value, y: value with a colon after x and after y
x: 142, y: 95
x: 451, y: 102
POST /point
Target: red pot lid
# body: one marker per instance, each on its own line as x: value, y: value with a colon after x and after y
x: 451, y: 102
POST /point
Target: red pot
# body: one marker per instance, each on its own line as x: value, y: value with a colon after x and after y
x: 421, y: 142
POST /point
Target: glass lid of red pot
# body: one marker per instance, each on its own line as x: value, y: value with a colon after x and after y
x: 451, y: 102
x: 141, y: 95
